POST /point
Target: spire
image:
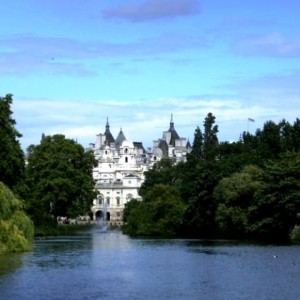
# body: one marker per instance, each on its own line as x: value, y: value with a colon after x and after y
x: 107, y: 124
x: 120, y: 138
x: 171, y: 123
x: 109, y: 138
x: 174, y: 134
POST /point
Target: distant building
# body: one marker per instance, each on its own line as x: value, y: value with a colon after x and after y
x: 172, y: 145
x: 121, y: 166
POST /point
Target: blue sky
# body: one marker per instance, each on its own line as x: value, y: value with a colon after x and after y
x: 72, y: 64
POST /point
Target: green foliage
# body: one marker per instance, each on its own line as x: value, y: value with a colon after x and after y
x: 159, y: 214
x: 59, y: 179
x: 295, y: 233
x: 277, y: 200
x: 249, y: 188
x: 235, y: 155
x: 197, y: 149
x: 163, y: 172
x: 15, y: 226
x: 234, y: 196
x: 210, y: 138
x: 200, y: 176
x: 11, y: 155
x: 129, y: 206
x: 201, y: 207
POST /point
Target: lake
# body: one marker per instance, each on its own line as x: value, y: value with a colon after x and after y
x: 97, y: 265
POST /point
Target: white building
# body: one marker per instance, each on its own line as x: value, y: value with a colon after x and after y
x: 121, y: 166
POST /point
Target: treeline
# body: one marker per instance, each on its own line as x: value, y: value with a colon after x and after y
x: 249, y: 189
x: 54, y: 179
x: 16, y: 228
x: 246, y: 189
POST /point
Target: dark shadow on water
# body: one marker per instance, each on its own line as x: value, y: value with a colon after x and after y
x: 10, y: 262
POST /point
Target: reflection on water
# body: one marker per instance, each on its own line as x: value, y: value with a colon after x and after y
x: 95, y: 265
x: 9, y: 263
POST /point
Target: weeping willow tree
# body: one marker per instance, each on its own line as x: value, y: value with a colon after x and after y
x: 16, y: 228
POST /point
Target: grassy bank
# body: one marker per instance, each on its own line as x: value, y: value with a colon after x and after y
x: 58, y: 229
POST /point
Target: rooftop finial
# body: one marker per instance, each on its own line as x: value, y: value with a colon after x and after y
x: 171, y: 123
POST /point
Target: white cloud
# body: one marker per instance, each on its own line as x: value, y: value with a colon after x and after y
x: 271, y: 44
x: 142, y: 121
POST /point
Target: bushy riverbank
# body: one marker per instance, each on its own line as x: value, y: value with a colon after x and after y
x: 15, y: 226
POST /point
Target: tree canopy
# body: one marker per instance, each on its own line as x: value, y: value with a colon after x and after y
x: 11, y: 155
x: 59, y: 178
x: 248, y: 188
x: 243, y: 189
x: 159, y: 214
x: 16, y: 228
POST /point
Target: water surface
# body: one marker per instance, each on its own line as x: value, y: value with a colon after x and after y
x: 95, y: 265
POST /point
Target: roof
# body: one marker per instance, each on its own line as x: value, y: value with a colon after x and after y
x: 120, y: 138
x: 108, y: 136
x: 164, y: 147
x: 139, y: 145
x: 130, y: 175
x: 188, y: 145
x: 174, y: 134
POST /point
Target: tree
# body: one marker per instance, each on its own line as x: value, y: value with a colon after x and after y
x: 160, y: 213
x: 199, y: 217
x: 188, y: 170
x: 269, y: 141
x: 59, y: 178
x: 234, y: 156
x: 234, y: 195
x: 15, y: 226
x: 200, y: 213
x: 163, y: 172
x: 296, y: 135
x: 197, y: 149
x: 276, y: 203
x: 129, y: 206
x: 210, y: 139
x: 11, y: 155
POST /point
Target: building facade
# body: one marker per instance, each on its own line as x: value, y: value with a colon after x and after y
x: 121, y: 167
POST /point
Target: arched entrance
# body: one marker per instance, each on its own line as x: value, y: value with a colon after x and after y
x: 101, y: 215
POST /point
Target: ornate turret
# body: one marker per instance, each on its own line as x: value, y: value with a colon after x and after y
x: 108, y: 136
x: 120, y: 138
x: 174, y: 134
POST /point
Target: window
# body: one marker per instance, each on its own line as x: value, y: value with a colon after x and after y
x: 118, y: 201
x: 100, y: 199
x: 126, y: 150
x: 126, y: 159
x: 108, y: 201
x: 129, y: 197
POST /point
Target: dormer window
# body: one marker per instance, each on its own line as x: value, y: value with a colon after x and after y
x: 126, y: 150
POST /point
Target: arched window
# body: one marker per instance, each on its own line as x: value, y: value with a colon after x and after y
x: 129, y: 197
x: 126, y: 159
x: 100, y: 199
x: 126, y: 150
